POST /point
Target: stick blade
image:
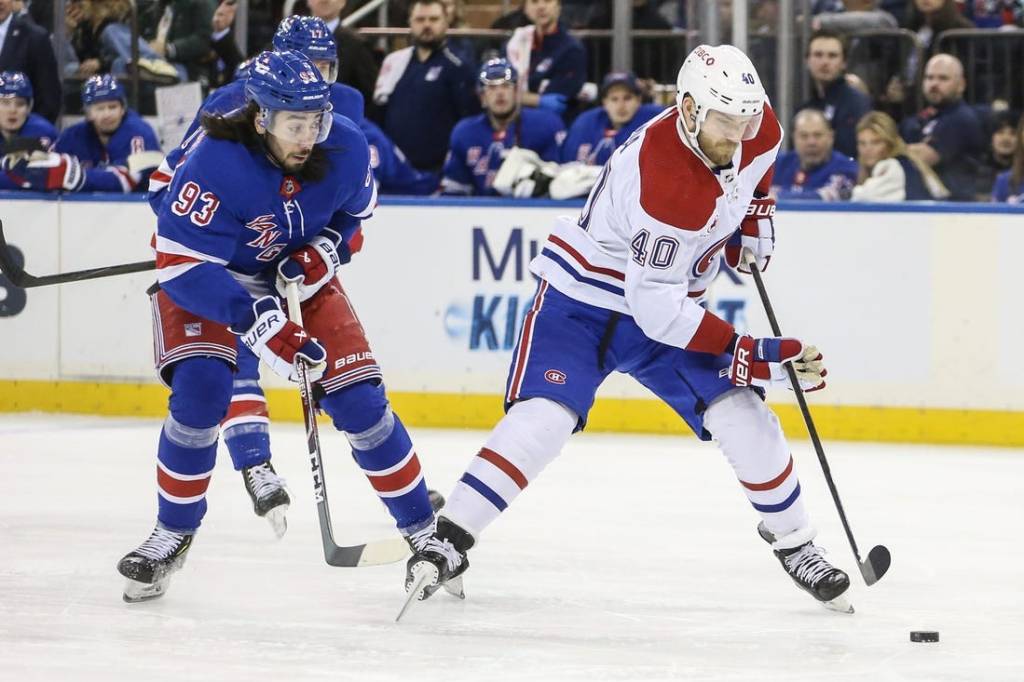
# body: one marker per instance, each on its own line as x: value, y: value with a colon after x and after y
x: 375, y: 553
x: 876, y: 565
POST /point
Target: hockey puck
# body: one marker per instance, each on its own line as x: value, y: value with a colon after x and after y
x: 924, y: 636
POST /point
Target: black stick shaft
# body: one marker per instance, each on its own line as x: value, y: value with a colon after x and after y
x: 802, y: 402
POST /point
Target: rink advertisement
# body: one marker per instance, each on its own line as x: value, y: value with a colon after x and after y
x: 912, y: 317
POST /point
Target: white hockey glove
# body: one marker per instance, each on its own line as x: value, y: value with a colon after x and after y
x: 574, y: 180
x: 312, y: 266
x: 279, y: 342
x: 523, y: 174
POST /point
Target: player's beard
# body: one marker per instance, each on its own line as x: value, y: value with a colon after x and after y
x: 720, y: 153
x: 429, y: 43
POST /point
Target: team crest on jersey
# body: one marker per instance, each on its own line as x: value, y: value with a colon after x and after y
x: 704, y: 262
x: 193, y: 329
x: 289, y: 187
x: 555, y: 376
x: 434, y: 73
x: 473, y: 155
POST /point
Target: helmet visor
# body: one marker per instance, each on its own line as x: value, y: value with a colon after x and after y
x: 328, y: 68
x: 300, y: 127
x: 730, y: 126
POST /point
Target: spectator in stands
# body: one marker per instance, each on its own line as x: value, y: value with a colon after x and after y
x: 114, y: 146
x: 26, y: 48
x: 424, y: 89
x: 391, y: 169
x: 856, y: 15
x: 842, y: 104
x: 512, y: 20
x: 462, y: 47
x: 85, y: 21
x: 1009, y: 185
x: 1001, y: 128
x: 171, y: 32
x: 814, y: 170
x: 887, y: 172
x: 597, y: 132
x: 946, y: 135
x: 554, y: 61
x: 995, y: 14
x: 480, y: 143
x: 929, y: 18
x: 224, y: 56
x: 357, y: 67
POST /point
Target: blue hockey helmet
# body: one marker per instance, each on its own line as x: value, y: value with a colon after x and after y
x: 497, y: 71
x: 242, y: 70
x: 102, y: 88
x: 311, y: 37
x: 293, y: 98
x: 15, y: 84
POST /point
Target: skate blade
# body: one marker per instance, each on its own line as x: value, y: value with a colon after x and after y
x: 423, y: 574
x: 840, y: 605
x: 277, y: 520
x: 454, y: 588
x: 135, y: 592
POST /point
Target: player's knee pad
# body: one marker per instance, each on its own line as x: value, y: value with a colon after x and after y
x: 200, y: 392
x: 740, y: 418
x: 533, y: 432
x: 361, y: 411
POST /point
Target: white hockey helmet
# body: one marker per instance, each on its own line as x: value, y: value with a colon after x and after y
x: 721, y: 78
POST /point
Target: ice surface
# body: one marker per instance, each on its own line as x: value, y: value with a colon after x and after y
x: 630, y: 558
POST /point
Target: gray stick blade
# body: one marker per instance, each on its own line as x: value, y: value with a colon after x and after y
x: 876, y: 565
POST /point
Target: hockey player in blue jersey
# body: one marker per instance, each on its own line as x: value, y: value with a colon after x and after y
x: 597, y: 132
x: 480, y: 143
x: 265, y: 195
x: 18, y: 125
x: 115, y: 147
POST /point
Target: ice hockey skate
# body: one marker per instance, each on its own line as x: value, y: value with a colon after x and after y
x: 438, y: 560
x: 149, y: 568
x: 269, y: 497
x: 813, y: 573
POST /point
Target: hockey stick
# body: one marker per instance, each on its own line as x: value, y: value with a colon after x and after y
x: 368, y: 554
x: 879, y: 558
x: 22, y: 279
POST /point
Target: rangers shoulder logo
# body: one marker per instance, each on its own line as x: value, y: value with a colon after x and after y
x: 555, y: 376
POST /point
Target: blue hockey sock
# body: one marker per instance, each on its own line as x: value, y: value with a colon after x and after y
x: 383, y: 450
x: 246, y: 428
x: 200, y: 389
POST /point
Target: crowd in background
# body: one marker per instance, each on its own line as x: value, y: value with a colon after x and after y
x: 443, y: 113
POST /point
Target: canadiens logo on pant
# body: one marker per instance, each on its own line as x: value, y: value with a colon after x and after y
x: 555, y: 376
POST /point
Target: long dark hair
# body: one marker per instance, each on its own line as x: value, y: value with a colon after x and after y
x: 240, y: 126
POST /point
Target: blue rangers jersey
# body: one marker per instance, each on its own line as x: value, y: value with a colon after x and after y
x: 106, y: 166
x: 477, y: 149
x: 229, y: 215
x: 35, y: 126
x: 391, y: 169
x: 591, y: 138
x: 831, y: 181
x: 345, y: 100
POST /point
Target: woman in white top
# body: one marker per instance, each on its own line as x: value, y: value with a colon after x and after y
x: 886, y: 172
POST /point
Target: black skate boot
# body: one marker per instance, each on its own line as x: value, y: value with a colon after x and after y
x: 812, y: 572
x: 436, y: 500
x: 269, y: 498
x: 149, y: 568
x: 438, y: 560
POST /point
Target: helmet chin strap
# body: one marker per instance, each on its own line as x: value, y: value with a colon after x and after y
x: 690, y: 140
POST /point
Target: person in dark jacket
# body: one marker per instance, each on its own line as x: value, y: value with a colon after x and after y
x: 26, y: 48
x: 356, y: 65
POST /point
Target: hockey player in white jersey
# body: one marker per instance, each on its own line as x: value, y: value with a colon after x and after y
x: 620, y: 290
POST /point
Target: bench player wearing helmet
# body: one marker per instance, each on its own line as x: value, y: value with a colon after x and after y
x: 265, y: 195
x: 620, y: 290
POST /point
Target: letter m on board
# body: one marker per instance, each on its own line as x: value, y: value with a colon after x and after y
x: 513, y: 252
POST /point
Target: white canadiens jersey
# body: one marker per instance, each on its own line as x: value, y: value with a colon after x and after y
x: 648, y: 241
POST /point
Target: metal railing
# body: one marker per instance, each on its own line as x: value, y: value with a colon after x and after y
x: 879, y: 56
x: 992, y: 60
